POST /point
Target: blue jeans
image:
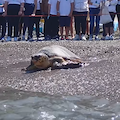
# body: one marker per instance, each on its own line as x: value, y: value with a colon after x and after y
x: 94, y: 13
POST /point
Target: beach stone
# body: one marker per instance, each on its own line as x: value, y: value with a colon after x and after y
x: 100, y: 78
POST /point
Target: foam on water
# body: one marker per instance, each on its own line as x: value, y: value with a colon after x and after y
x: 19, y: 105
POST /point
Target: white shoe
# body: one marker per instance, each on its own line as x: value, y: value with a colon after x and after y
x: 107, y: 37
x: 83, y: 37
x: 90, y: 37
x: 2, y: 39
x: 97, y: 38
x: 77, y: 37
x: 8, y: 39
x: 111, y: 37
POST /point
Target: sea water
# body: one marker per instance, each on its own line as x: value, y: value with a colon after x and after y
x: 20, y: 105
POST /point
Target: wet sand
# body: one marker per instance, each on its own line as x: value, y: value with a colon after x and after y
x: 101, y: 78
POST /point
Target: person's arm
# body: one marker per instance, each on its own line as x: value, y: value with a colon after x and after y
x: 58, y: 8
x: 5, y: 8
x: 21, y: 9
x: 71, y: 10
x: 40, y: 2
x: 49, y: 8
x: 35, y: 8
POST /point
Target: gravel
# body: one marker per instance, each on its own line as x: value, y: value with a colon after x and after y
x: 100, y: 78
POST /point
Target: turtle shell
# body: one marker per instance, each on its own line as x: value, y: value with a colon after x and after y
x: 56, y: 50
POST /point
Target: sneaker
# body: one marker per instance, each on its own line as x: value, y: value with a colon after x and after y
x: 23, y: 37
x: 77, y: 37
x: 111, y: 37
x: 62, y: 38
x: 30, y: 39
x: 103, y: 38
x: 83, y: 37
x: 15, y: 39
x: 90, y: 37
x: 19, y: 38
x: 97, y: 38
x: 2, y: 39
x: 8, y: 39
x: 67, y: 38
x: 107, y: 37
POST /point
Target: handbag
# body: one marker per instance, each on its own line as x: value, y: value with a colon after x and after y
x: 105, y: 17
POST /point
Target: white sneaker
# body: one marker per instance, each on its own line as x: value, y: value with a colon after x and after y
x: 2, y: 39
x: 111, y: 37
x: 107, y: 37
x: 15, y: 39
x: 97, y: 38
x: 83, y: 37
x: 8, y: 39
x: 77, y: 37
x: 90, y: 37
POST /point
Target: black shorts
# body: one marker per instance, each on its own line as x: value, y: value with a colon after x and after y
x: 65, y: 21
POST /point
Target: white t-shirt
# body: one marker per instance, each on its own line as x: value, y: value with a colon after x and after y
x: 95, y: 3
x: 65, y: 7
x: 1, y: 8
x: 81, y: 5
x: 53, y: 10
x: 111, y: 5
x: 38, y: 4
x: 29, y: 1
x: 15, y: 1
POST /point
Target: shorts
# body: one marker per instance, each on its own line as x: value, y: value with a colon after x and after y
x: 65, y: 21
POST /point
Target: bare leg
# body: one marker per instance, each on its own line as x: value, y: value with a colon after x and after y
x: 107, y: 30
x: 111, y: 30
x: 61, y: 32
x: 67, y: 31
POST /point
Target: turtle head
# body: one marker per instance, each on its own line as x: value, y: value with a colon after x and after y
x: 38, y: 62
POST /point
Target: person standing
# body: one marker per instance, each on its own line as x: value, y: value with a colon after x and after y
x: 53, y: 19
x: 2, y: 21
x: 30, y: 10
x: 37, y: 19
x: 46, y: 19
x: 109, y: 27
x: 65, y: 10
x: 94, y: 9
x: 80, y: 17
x: 13, y: 8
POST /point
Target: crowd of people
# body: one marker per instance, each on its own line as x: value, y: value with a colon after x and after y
x: 20, y: 16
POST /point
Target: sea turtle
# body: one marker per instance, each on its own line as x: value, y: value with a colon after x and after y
x: 54, y: 56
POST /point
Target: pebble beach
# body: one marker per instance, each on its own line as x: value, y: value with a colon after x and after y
x: 100, y: 78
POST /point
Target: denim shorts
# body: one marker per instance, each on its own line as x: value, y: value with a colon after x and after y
x: 65, y: 21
